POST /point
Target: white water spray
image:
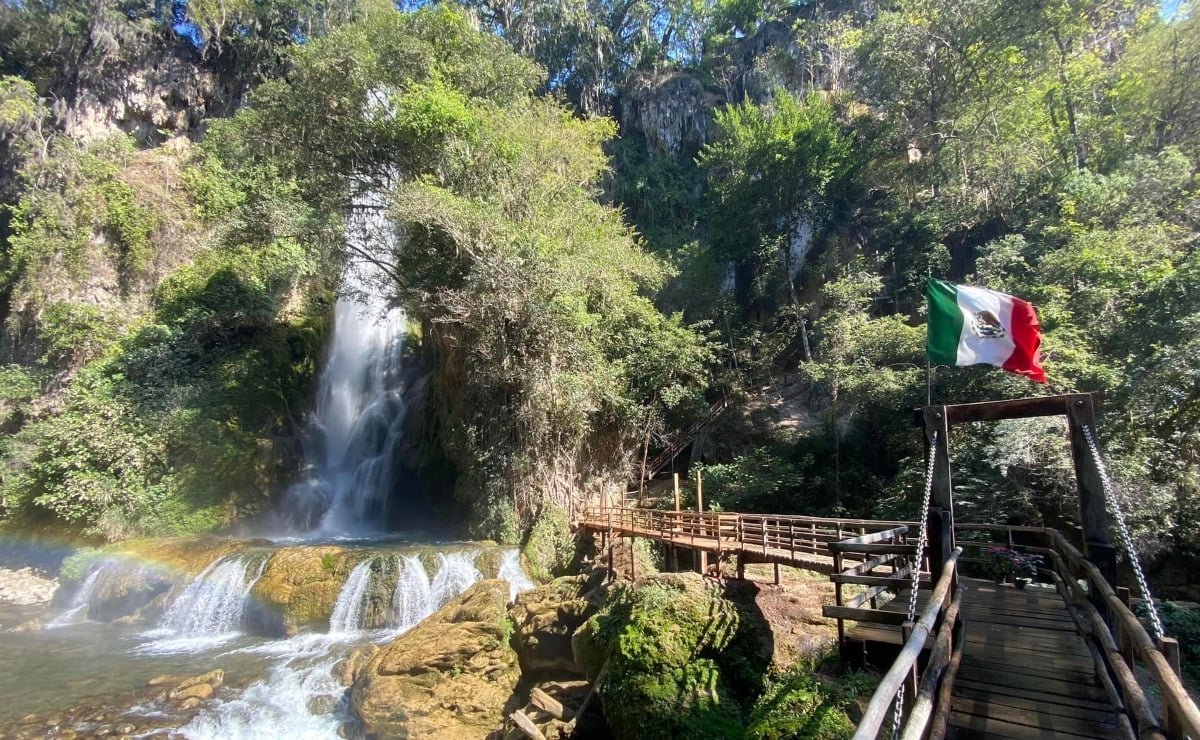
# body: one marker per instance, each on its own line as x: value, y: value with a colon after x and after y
x: 411, y: 601
x: 78, y: 610
x: 348, y: 612
x: 511, y: 571
x: 456, y: 572
x: 213, y: 603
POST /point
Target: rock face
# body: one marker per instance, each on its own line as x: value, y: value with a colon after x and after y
x: 673, y: 652
x: 449, y: 677
x: 546, y: 617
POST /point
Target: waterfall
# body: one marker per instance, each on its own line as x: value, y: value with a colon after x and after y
x: 411, y: 601
x: 348, y: 611
x: 456, y: 572
x: 359, y: 411
x: 511, y: 571
x: 213, y: 603
x: 77, y: 611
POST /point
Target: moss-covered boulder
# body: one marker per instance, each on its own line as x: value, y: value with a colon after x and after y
x: 299, y: 587
x: 663, y: 644
x: 545, y: 618
x: 449, y: 677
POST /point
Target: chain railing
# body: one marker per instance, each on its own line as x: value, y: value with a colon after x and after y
x: 1118, y: 511
x: 922, y: 541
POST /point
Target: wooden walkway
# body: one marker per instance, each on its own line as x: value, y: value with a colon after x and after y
x: 982, y: 661
x: 1025, y: 671
x: 797, y: 541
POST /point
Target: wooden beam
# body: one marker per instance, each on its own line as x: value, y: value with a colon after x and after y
x: 526, y: 726
x: 550, y: 705
x: 935, y: 422
x: 1016, y: 408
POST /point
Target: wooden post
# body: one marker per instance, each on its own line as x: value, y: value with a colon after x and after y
x: 632, y: 559
x: 676, y: 493
x: 1098, y: 547
x: 937, y: 527
x: 941, y: 539
x: 1169, y: 647
x: 779, y: 581
x: 702, y: 555
x: 741, y: 565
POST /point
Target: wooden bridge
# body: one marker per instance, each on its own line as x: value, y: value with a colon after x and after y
x: 1065, y: 657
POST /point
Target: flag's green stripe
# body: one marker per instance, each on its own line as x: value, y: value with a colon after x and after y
x: 945, y: 323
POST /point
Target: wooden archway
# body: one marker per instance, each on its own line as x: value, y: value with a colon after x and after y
x: 1080, y: 410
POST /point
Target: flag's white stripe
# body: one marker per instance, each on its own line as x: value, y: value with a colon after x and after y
x: 974, y: 349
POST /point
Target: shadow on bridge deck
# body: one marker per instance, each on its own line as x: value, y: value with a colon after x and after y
x: 1025, y: 672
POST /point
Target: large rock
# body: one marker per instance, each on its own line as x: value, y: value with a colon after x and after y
x: 546, y: 617
x: 449, y: 677
x: 299, y: 587
x: 674, y: 647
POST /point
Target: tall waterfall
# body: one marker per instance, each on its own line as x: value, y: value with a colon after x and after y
x: 348, y: 612
x: 358, y: 416
x: 213, y: 603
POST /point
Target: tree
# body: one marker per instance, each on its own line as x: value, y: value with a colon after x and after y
x: 778, y: 175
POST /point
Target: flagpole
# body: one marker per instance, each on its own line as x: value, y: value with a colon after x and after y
x: 928, y: 367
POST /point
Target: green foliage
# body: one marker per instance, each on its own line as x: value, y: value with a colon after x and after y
x: 73, y: 333
x: 75, y: 565
x: 166, y: 424
x: 808, y: 701
x: 77, y: 197
x: 1183, y: 624
x: 549, y: 547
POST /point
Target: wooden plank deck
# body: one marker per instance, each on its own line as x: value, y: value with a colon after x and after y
x: 1025, y: 672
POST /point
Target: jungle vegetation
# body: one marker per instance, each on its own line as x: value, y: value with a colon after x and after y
x: 611, y: 213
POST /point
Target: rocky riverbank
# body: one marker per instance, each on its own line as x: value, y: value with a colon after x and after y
x: 25, y: 587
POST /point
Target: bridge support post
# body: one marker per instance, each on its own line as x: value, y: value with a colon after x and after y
x: 940, y: 527
x: 941, y: 540
x: 1093, y: 512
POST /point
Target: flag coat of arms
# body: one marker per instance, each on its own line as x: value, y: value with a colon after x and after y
x: 977, y: 326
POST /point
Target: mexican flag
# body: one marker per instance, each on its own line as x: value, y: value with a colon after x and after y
x: 976, y: 326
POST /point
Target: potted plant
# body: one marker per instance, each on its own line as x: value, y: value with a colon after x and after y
x: 999, y: 563
x: 1025, y: 568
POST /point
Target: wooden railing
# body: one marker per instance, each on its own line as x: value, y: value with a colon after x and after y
x: 655, y: 466
x: 927, y: 695
x: 870, y: 552
x: 1119, y: 643
x: 768, y: 534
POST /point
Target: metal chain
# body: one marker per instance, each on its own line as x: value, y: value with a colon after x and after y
x: 1126, y: 541
x: 916, y: 572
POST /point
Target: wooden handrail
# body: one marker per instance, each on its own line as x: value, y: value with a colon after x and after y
x: 1178, y: 705
x: 881, y: 701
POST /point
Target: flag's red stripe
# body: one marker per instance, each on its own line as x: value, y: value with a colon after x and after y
x: 1026, y: 332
